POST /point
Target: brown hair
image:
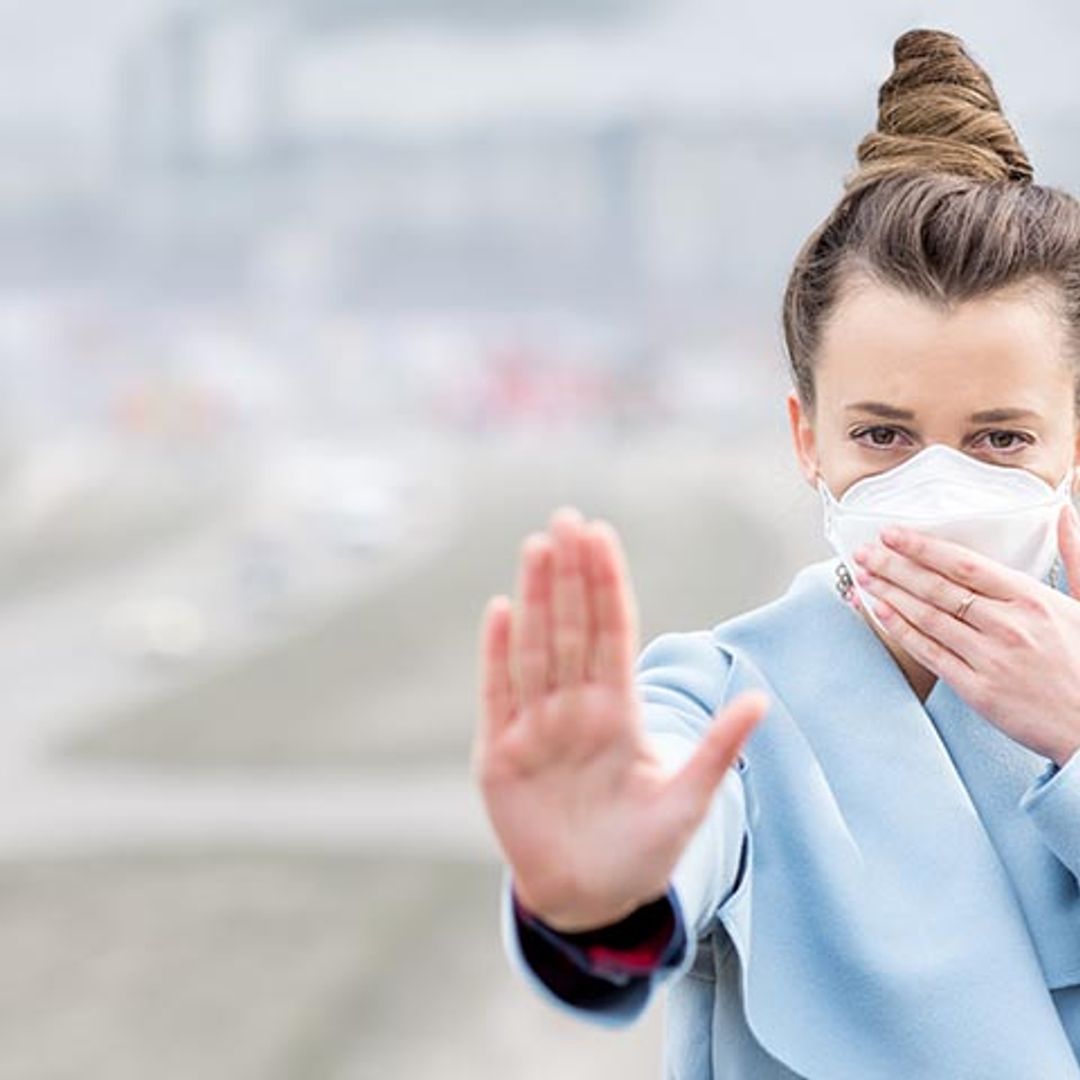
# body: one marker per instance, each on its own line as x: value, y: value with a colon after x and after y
x: 942, y: 206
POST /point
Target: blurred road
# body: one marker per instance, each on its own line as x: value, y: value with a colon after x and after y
x: 270, y: 862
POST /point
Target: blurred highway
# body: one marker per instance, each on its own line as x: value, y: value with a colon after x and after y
x: 316, y: 772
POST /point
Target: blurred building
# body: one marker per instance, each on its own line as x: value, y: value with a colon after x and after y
x: 390, y: 157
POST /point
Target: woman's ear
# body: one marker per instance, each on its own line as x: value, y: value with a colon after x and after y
x: 802, y: 435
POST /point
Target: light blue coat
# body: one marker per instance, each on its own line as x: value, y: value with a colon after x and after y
x: 881, y: 889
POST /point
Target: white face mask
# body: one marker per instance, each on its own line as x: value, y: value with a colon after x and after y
x: 1001, y: 511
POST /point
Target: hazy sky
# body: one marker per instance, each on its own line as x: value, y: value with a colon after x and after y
x: 57, y: 60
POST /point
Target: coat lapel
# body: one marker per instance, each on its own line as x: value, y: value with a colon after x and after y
x: 996, y: 771
x: 878, y: 929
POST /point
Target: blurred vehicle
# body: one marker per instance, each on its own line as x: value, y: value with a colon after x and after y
x: 360, y: 518
x: 352, y: 498
x: 264, y: 574
x: 158, y: 628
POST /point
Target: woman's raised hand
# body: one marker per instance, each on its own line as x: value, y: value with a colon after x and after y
x: 589, y: 819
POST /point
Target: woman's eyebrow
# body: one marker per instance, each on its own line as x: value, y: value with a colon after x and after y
x: 985, y: 416
x: 991, y: 415
x: 879, y: 408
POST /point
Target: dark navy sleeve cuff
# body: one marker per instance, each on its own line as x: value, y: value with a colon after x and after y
x: 650, y: 937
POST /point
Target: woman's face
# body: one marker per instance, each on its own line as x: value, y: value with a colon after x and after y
x: 990, y: 378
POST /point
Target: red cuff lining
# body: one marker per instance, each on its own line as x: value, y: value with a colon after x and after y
x: 636, y: 958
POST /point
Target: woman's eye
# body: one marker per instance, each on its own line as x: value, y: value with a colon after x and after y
x: 1000, y: 439
x: 880, y: 435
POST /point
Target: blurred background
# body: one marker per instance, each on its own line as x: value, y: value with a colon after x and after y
x: 309, y: 311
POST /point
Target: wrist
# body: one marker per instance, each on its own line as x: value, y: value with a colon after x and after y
x: 574, y: 919
x: 1061, y: 755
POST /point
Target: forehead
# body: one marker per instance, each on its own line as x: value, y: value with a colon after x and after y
x: 884, y: 343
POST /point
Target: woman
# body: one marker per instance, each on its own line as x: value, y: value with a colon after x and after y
x: 842, y: 828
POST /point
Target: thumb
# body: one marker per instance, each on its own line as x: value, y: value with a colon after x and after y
x: 1069, y: 545
x: 732, y: 723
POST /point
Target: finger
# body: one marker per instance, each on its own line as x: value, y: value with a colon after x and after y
x: 496, y: 687
x: 1069, y: 546
x: 698, y: 777
x: 966, y: 567
x: 569, y: 616
x: 529, y: 633
x: 930, y: 652
x: 927, y: 587
x: 611, y: 600
x: 965, y: 637
x: 585, y: 554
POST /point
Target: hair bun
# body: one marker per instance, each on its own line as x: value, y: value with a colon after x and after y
x: 938, y: 111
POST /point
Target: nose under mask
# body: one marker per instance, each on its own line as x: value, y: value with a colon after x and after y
x: 1003, y: 512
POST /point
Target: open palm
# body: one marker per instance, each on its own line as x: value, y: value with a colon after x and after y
x: 589, y: 818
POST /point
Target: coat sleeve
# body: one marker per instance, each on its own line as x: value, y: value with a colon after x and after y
x: 1052, y: 802
x: 681, y: 677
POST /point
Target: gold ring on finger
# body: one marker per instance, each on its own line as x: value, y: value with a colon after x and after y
x: 962, y: 607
